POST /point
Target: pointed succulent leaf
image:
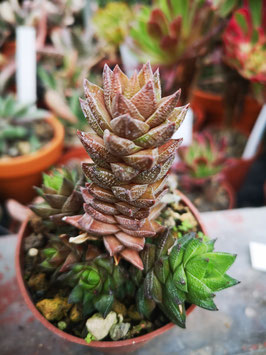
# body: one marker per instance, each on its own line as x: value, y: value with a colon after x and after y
x: 165, y: 242
x: 104, y: 304
x: 168, y: 149
x: 145, y: 99
x: 128, y: 127
x: 195, y: 247
x: 98, y: 215
x: 161, y: 269
x: 87, y: 306
x: 129, y: 193
x: 197, y: 266
x: 122, y: 106
x: 148, y: 256
x: 180, y: 279
x: 178, y: 115
x: 146, y: 231
x: 106, y: 263
x: 100, y: 193
x: 44, y: 210
x: 94, y: 146
x: 220, y: 282
x: 177, y: 252
x: 76, y: 294
x: 156, y: 290
x: 145, y: 74
x: 203, y: 303
x: 145, y: 306
x: 119, y: 146
x: 127, y: 209
x: 123, y: 172
x: 107, y: 86
x: 112, y: 245
x: 221, y: 261
x: 130, y: 241
x: 175, y: 312
x: 90, y: 118
x: 148, y: 176
x: 164, y: 110
x: 176, y: 295
x: 133, y: 257
x: 54, y: 200
x: 156, y: 136
x: 99, y: 111
x: 143, y: 160
x: 197, y: 288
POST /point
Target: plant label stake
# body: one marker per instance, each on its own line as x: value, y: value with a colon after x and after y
x: 255, y: 135
x: 26, y: 64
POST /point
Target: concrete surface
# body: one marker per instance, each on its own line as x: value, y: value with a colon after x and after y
x: 238, y: 328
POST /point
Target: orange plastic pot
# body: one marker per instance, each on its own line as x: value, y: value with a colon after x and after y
x: 115, y: 347
x: 19, y: 175
x: 212, y: 108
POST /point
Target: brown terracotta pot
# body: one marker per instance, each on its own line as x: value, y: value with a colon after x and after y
x: 237, y: 171
x: 213, y: 109
x: 114, y: 347
x: 18, y: 175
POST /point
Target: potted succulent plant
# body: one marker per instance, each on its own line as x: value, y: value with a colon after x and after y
x: 74, y: 56
x: 242, y: 69
x: 244, y: 53
x: 30, y: 142
x: 111, y: 26
x: 98, y: 264
x: 200, y: 172
x: 175, y: 35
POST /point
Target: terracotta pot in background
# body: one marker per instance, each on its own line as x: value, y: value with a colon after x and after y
x: 18, y: 175
x: 213, y: 108
x: 114, y: 347
x: 237, y: 171
x: 74, y: 154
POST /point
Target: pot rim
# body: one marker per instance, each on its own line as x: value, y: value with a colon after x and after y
x: 72, y: 338
x: 10, y: 166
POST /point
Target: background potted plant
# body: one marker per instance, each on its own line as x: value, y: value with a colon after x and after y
x: 243, y: 42
x: 75, y: 56
x: 30, y: 142
x: 175, y: 35
x: 101, y: 262
x: 200, y: 171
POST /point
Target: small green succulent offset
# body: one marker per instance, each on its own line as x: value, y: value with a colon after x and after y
x: 61, y: 194
x: 181, y: 270
x: 97, y: 284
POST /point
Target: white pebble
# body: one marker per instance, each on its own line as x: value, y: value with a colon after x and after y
x: 33, y: 252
